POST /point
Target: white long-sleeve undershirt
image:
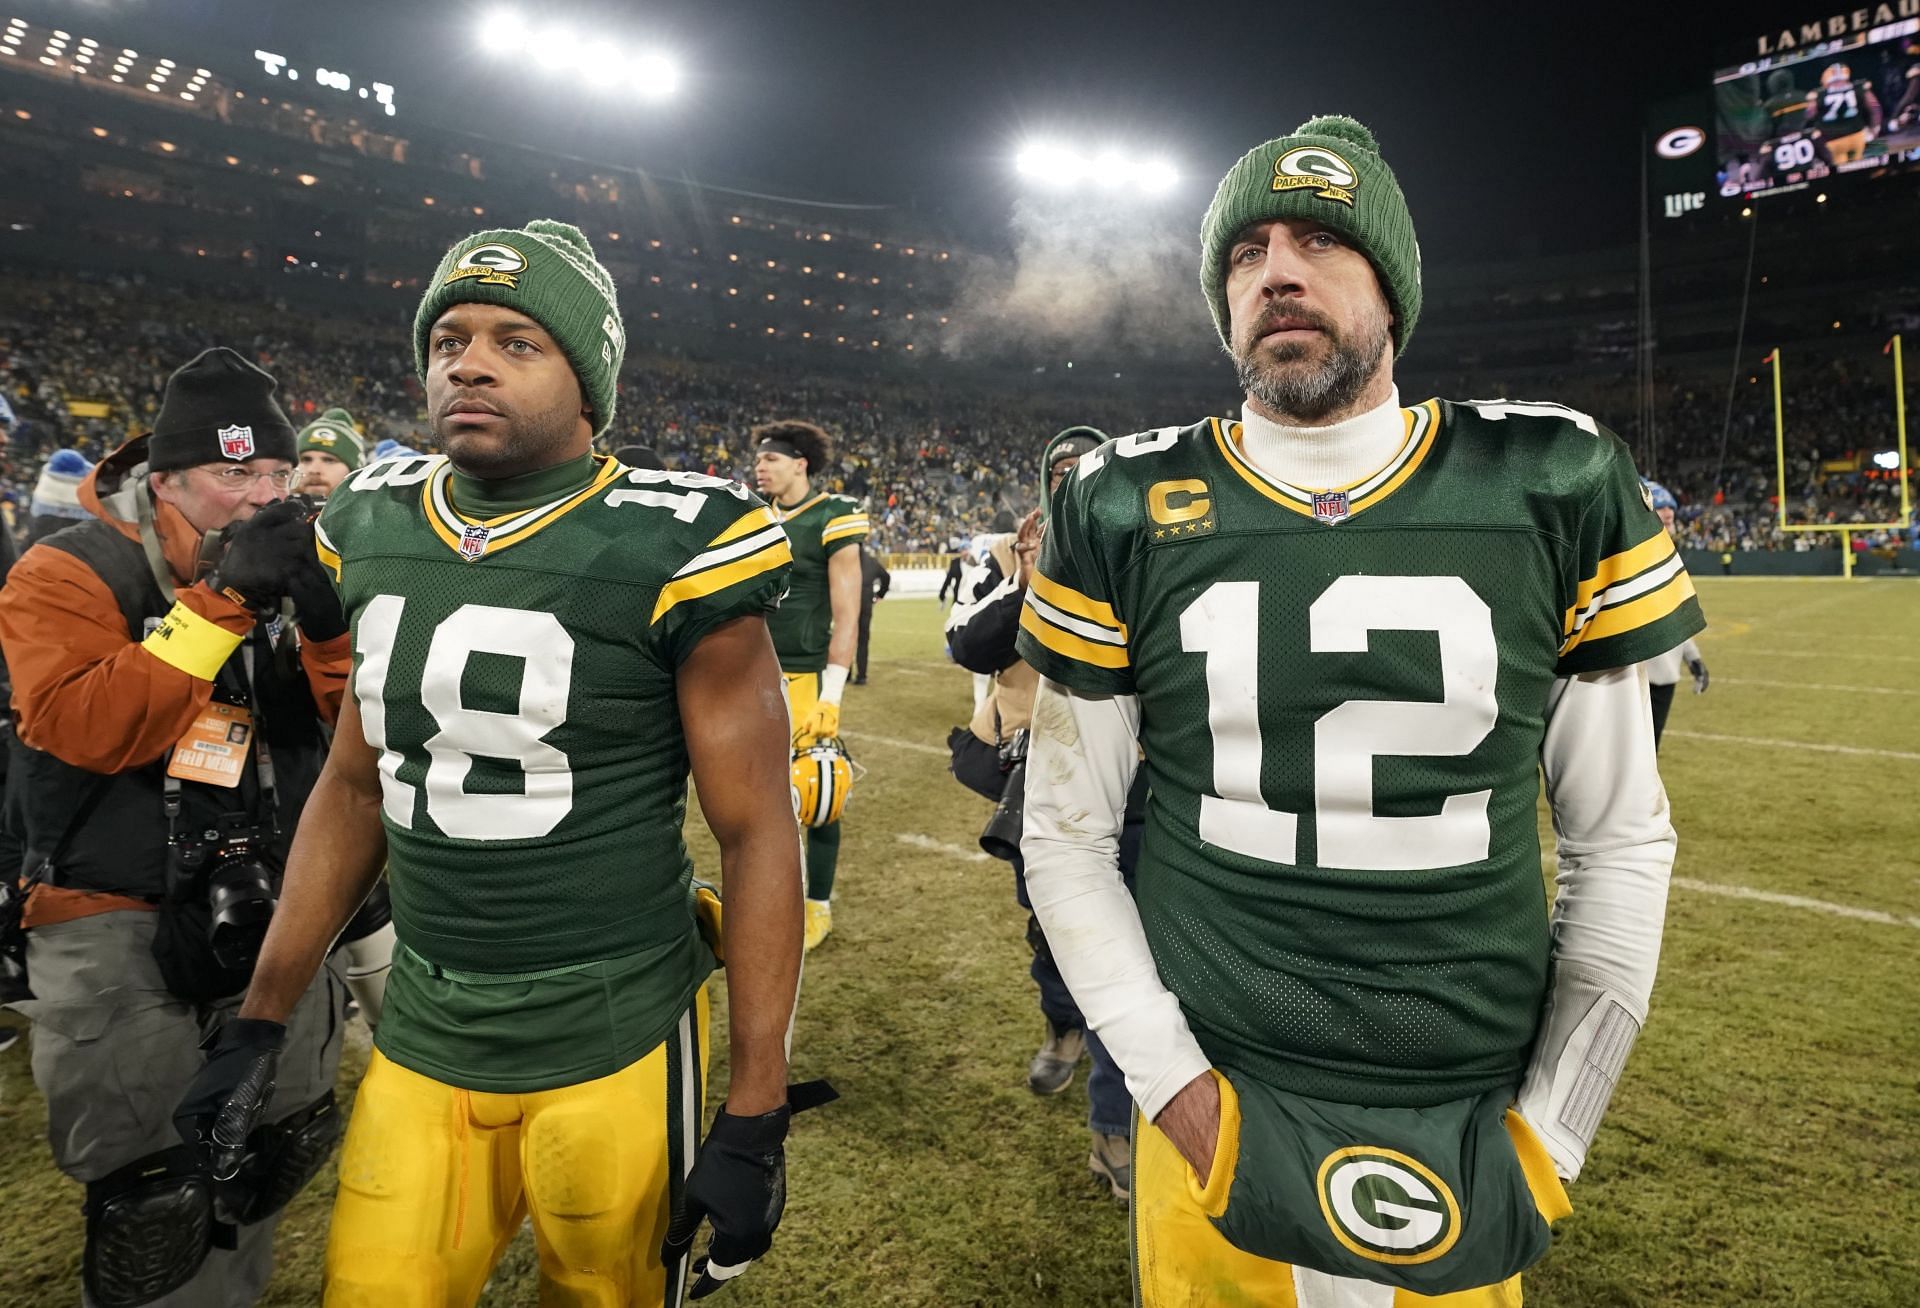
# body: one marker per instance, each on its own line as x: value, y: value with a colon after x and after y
x: 1616, y: 849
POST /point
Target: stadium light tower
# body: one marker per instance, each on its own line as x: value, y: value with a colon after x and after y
x: 1050, y: 165
x: 592, y: 59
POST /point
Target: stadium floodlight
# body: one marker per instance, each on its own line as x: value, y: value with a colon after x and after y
x: 556, y: 48
x: 1113, y: 168
x: 656, y: 75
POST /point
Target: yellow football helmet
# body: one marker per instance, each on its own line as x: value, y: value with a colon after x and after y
x: 1836, y: 75
x: 823, y: 776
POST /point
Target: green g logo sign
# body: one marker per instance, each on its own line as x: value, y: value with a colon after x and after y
x: 1387, y: 1207
x: 1317, y: 169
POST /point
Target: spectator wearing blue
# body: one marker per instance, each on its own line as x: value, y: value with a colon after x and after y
x: 1664, y: 673
x: 56, y: 495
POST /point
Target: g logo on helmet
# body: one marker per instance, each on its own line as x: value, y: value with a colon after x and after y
x: 1319, y: 169
x: 494, y: 264
x: 822, y: 777
x: 1387, y: 1207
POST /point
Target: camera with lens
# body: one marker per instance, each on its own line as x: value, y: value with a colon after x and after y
x: 231, y: 863
x: 1001, y: 836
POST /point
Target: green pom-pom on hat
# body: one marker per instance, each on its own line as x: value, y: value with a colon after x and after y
x: 1329, y: 171
x: 547, y: 271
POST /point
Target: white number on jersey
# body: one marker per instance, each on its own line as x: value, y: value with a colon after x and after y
x: 1841, y: 102
x: 546, y: 650
x: 398, y: 471
x: 1499, y: 410
x: 1224, y: 624
x: 686, y: 506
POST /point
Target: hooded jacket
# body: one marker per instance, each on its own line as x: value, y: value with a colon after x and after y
x: 90, y: 701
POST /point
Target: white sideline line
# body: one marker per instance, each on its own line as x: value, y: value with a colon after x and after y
x: 1816, y: 685
x: 919, y: 841
x: 1795, y: 901
x: 1827, y: 654
x: 1795, y: 744
x: 891, y: 743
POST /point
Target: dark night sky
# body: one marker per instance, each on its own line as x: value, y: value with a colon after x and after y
x: 1514, y: 128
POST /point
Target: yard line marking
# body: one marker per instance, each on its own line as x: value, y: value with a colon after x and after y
x: 1795, y: 901
x: 919, y: 841
x: 1746, y: 650
x: 1816, y: 685
x: 891, y: 743
x: 1795, y: 744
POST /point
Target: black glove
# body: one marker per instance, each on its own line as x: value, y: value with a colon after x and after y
x: 739, y: 1184
x: 226, y: 1100
x: 316, y: 604
x: 1699, y: 669
x: 262, y: 552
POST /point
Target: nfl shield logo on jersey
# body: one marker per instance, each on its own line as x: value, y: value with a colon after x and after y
x: 1330, y: 506
x: 236, y: 442
x: 473, y: 542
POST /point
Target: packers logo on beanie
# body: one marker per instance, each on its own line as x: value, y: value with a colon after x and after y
x: 547, y: 271
x: 1329, y: 171
x: 332, y: 433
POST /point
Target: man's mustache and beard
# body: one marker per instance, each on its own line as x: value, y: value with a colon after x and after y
x: 524, y: 442
x: 1283, y: 376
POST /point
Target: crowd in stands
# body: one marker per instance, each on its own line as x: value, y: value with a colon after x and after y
x: 935, y: 454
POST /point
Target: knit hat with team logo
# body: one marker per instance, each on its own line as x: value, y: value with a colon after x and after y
x: 547, y: 271
x: 332, y: 433
x: 218, y: 407
x: 1329, y: 171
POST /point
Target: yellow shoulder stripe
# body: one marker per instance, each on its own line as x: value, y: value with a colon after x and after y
x: 1618, y: 567
x: 741, y: 569
x: 329, y: 559
x: 750, y: 521
x: 1069, y: 600
x: 1068, y: 645
x: 1637, y: 613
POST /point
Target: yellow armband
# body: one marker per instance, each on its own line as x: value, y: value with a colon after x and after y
x: 197, y: 646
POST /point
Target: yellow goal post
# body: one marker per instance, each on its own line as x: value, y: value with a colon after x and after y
x: 1846, y: 529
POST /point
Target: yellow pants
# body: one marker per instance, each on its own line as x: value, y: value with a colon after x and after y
x: 1846, y: 149
x: 435, y: 1180
x: 1181, y: 1261
x: 803, y: 689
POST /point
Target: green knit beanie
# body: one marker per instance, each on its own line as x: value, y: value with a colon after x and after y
x: 1330, y: 171
x: 332, y: 433
x: 547, y: 271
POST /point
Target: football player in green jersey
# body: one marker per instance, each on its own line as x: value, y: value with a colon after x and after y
x: 817, y: 625
x: 1347, y: 634
x: 546, y: 642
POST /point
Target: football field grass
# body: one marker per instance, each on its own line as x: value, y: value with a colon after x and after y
x: 1763, y: 1147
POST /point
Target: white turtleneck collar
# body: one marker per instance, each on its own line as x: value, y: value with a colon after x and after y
x: 1321, y: 458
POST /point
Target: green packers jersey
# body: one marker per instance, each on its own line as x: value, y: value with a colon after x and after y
x: 817, y: 528
x: 1342, y: 698
x: 517, y: 676
x: 1788, y: 112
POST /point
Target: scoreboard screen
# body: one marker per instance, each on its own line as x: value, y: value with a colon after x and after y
x: 1797, y: 117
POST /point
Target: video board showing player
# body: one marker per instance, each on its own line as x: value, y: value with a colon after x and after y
x: 1843, y: 106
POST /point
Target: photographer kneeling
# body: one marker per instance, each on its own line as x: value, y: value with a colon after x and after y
x: 989, y: 758
x: 170, y: 723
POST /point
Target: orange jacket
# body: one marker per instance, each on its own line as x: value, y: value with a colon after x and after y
x: 87, y: 692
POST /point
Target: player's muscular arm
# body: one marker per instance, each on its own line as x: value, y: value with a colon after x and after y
x: 844, y: 581
x: 337, y: 855
x: 735, y: 718
x: 1081, y: 758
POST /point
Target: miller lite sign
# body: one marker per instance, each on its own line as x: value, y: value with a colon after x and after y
x: 236, y: 442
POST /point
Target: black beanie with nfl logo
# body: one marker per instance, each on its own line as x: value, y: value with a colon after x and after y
x: 218, y: 409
